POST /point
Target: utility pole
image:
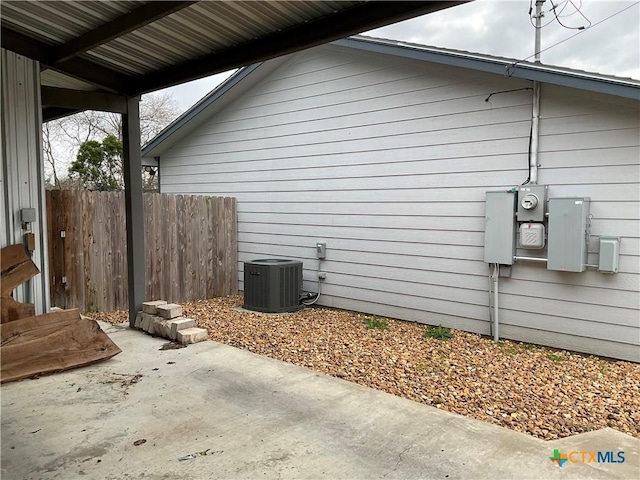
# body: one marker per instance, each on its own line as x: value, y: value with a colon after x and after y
x: 535, y: 107
x: 539, y: 15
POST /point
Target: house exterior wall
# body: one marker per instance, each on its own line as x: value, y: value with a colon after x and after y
x: 388, y: 161
x: 21, y: 174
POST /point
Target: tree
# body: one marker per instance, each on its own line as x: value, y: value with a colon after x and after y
x: 99, y: 165
x: 64, y: 137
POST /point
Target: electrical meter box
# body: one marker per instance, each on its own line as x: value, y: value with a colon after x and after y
x: 532, y: 200
x: 568, y: 234
x: 499, y: 230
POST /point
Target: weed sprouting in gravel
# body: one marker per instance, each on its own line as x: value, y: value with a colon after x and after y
x: 439, y: 332
x: 375, y: 323
x: 554, y: 358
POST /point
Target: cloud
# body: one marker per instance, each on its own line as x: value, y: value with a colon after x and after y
x: 503, y: 28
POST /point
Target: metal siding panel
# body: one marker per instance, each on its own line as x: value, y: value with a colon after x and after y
x: 23, y: 176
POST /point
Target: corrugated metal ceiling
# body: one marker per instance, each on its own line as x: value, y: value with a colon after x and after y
x: 197, y: 30
x: 133, y: 47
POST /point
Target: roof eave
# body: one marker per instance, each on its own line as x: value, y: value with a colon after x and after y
x: 505, y: 67
x: 154, y: 147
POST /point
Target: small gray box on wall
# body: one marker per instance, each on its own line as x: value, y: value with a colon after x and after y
x: 499, y: 228
x: 609, y: 253
x: 568, y: 234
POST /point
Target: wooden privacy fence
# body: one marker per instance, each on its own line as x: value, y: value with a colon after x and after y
x: 190, y: 248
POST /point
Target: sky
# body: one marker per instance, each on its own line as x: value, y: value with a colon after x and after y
x: 503, y: 28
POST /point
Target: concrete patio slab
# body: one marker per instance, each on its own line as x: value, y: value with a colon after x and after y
x: 256, y: 417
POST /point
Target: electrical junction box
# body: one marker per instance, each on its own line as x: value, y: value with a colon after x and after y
x: 568, y: 234
x: 532, y: 235
x: 532, y: 200
x: 321, y: 250
x: 609, y: 252
x: 28, y: 215
x: 499, y: 228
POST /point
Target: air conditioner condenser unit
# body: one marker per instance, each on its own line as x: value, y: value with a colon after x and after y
x: 273, y: 285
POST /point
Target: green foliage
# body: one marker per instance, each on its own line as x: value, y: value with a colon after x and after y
x: 375, y: 323
x: 439, y: 332
x: 99, y: 165
x: 554, y: 358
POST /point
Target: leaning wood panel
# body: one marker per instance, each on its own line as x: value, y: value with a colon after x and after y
x: 51, y: 343
x: 17, y: 267
x: 11, y: 310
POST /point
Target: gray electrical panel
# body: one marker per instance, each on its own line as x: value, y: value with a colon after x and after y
x: 568, y: 234
x: 532, y: 200
x: 499, y: 231
x: 609, y: 253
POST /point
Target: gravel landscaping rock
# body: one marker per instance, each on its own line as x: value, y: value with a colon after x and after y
x: 541, y: 391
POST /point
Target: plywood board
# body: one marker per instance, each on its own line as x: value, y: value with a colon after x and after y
x: 17, y: 267
x: 51, y: 343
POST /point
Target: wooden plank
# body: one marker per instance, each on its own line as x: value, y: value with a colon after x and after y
x: 149, y: 251
x: 165, y: 245
x: 201, y: 248
x: 57, y: 263
x: 231, y: 264
x: 185, y: 224
x: 90, y: 273
x: 219, y: 246
x: 179, y: 256
x: 159, y: 242
x: 119, y: 246
x: 51, y: 343
x: 12, y: 310
x: 74, y: 256
x: 17, y: 267
x: 172, y: 253
x: 210, y: 246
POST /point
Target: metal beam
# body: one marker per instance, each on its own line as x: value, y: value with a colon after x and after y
x: 53, y: 113
x: 23, y: 45
x: 354, y: 20
x: 118, y: 27
x: 133, y: 207
x: 101, y: 76
x: 81, y: 100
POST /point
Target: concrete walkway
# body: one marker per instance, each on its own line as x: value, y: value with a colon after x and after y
x: 258, y: 418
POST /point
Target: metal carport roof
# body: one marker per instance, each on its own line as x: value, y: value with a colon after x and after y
x: 99, y: 55
x: 134, y: 47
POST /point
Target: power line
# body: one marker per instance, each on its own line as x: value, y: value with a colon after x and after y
x: 577, y: 10
x: 510, y: 69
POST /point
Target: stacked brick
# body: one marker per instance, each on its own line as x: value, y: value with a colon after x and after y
x: 164, y: 319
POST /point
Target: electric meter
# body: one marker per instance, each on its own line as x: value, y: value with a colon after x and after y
x: 529, y: 201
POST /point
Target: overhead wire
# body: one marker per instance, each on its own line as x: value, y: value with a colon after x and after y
x: 557, y: 16
x: 510, y: 69
x: 542, y: 14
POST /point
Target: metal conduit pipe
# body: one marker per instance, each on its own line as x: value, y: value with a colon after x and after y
x: 530, y: 259
x: 495, y: 275
x: 535, y: 134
